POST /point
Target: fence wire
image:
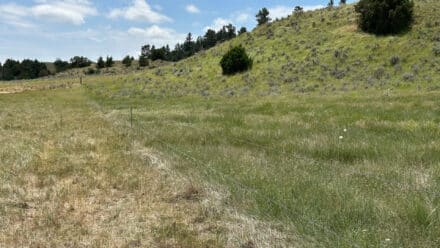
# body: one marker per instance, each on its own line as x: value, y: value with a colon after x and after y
x: 137, y: 125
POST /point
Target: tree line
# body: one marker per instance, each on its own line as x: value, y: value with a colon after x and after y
x: 191, y: 46
x: 31, y: 69
x: 26, y: 69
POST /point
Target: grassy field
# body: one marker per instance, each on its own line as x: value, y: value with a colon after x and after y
x: 348, y: 169
x: 332, y: 140
x: 344, y: 170
x: 73, y: 174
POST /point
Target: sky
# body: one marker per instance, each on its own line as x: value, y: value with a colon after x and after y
x: 51, y: 29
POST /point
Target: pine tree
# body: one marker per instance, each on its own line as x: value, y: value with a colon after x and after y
x: 242, y: 30
x: 298, y: 10
x: 188, y: 45
x: 100, y: 63
x: 127, y: 61
x: 230, y: 31
x: 263, y: 16
x: 331, y: 3
x: 109, y: 62
x: 210, y: 39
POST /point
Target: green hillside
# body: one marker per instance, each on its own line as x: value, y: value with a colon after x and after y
x: 320, y: 51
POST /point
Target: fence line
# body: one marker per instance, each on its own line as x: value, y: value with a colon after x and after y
x: 235, y: 182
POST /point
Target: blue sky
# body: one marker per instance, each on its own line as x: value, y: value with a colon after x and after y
x: 50, y: 29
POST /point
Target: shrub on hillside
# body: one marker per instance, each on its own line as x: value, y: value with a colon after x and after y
x: 242, y: 30
x: 100, y: 63
x: 394, y: 60
x: 384, y: 17
x: 143, y: 61
x: 127, y: 61
x: 109, y: 62
x: 61, y: 66
x: 91, y: 71
x: 298, y: 10
x: 79, y: 62
x: 236, y: 60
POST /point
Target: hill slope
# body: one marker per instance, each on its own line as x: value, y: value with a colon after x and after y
x: 318, y: 51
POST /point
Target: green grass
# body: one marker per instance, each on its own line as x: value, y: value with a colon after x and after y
x: 281, y: 158
x: 320, y: 150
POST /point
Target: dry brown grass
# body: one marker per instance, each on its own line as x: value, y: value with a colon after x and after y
x: 72, y: 178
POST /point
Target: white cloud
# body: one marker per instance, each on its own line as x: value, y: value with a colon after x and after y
x: 313, y: 7
x: 154, y: 32
x: 92, y: 42
x: 14, y: 15
x: 13, y: 9
x: 281, y: 11
x: 238, y: 18
x: 242, y: 17
x: 157, y: 35
x: 70, y: 11
x: 218, y: 23
x: 140, y: 10
x: 191, y: 8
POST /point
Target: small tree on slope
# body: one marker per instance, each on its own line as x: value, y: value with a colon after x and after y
x: 235, y: 60
x: 263, y: 16
x: 382, y: 17
x: 100, y: 63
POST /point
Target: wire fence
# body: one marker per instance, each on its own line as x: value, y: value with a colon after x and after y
x: 291, y: 217
x: 137, y: 126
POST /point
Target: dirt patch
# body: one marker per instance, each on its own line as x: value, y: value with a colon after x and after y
x: 10, y: 91
x: 51, y: 86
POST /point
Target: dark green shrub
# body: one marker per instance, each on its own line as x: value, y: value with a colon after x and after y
x: 100, y: 63
x: 235, y: 60
x: 79, y: 62
x: 382, y: 17
x: 394, y: 60
x: 143, y: 61
x: 242, y: 30
x: 109, y: 62
x: 127, y: 61
x: 298, y: 10
x: 90, y: 71
x: 61, y: 66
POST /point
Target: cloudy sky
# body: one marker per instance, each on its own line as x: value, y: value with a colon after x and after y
x: 50, y: 29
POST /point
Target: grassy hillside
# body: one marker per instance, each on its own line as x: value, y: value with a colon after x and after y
x: 320, y: 51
